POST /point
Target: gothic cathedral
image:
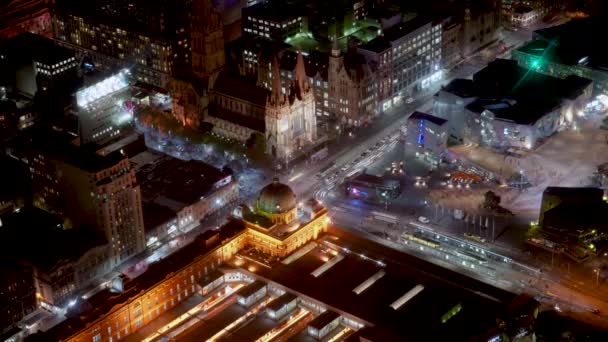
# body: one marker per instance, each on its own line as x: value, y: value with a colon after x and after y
x: 291, y: 124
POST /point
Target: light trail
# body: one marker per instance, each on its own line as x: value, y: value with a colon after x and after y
x: 296, y: 177
x: 240, y: 320
x: 284, y: 326
x: 339, y: 335
x: 203, y: 306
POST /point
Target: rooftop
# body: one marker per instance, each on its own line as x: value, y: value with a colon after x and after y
x: 461, y: 87
x: 395, y: 33
x: 239, y: 87
x: 28, y: 47
x: 428, y: 117
x: 522, y: 9
x: 155, y: 214
x: 523, y: 96
x: 276, y: 11
x: 442, y: 290
x: 39, y: 237
x: 577, y: 218
x: 58, y: 145
x: 184, y: 182
x: 572, y: 43
x: 577, y: 192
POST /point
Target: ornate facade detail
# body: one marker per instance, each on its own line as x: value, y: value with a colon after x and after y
x: 290, y: 114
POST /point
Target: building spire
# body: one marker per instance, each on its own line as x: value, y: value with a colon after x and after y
x: 276, y: 94
x: 300, y: 74
x: 335, y: 49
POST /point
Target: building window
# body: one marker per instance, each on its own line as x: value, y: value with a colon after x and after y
x: 97, y: 338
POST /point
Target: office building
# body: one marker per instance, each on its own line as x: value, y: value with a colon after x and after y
x: 480, y: 25
x: 32, y: 63
x: 207, y: 39
x: 426, y: 137
x: 450, y: 103
x: 571, y: 222
x: 18, y: 295
x: 405, y: 59
x: 568, y: 49
x: 273, y: 21
x: 152, y: 38
x: 87, y: 189
x: 105, y: 108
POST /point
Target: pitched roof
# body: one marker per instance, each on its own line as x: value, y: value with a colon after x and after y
x: 238, y: 87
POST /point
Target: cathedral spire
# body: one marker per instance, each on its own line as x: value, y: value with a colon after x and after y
x: 335, y: 49
x: 300, y: 74
x: 276, y: 93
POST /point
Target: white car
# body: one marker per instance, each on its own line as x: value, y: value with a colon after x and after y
x: 423, y: 219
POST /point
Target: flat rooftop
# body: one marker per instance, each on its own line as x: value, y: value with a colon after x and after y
x: 52, y: 243
x: 428, y: 117
x: 395, y: 33
x: 520, y: 95
x: 442, y: 290
x: 175, y: 183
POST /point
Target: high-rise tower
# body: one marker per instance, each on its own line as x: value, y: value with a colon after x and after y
x: 207, y: 39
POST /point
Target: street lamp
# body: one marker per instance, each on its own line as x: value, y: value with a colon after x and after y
x: 597, y: 276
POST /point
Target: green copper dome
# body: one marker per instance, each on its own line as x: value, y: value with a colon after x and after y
x: 276, y: 198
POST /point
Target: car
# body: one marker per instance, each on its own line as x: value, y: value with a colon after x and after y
x: 409, y: 100
x: 423, y: 219
x: 595, y: 311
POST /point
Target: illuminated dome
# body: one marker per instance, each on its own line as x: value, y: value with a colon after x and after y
x: 276, y: 198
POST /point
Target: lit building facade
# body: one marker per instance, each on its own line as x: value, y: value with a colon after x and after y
x: 352, y: 88
x: 406, y: 59
x: 450, y: 43
x: 480, y: 25
x: 104, y: 109
x: 109, y: 199
x: 290, y: 119
x: 426, y: 137
x: 89, y: 190
x: 524, y: 16
x: 188, y: 271
x: 150, y: 37
x: 272, y: 22
x: 110, y: 46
